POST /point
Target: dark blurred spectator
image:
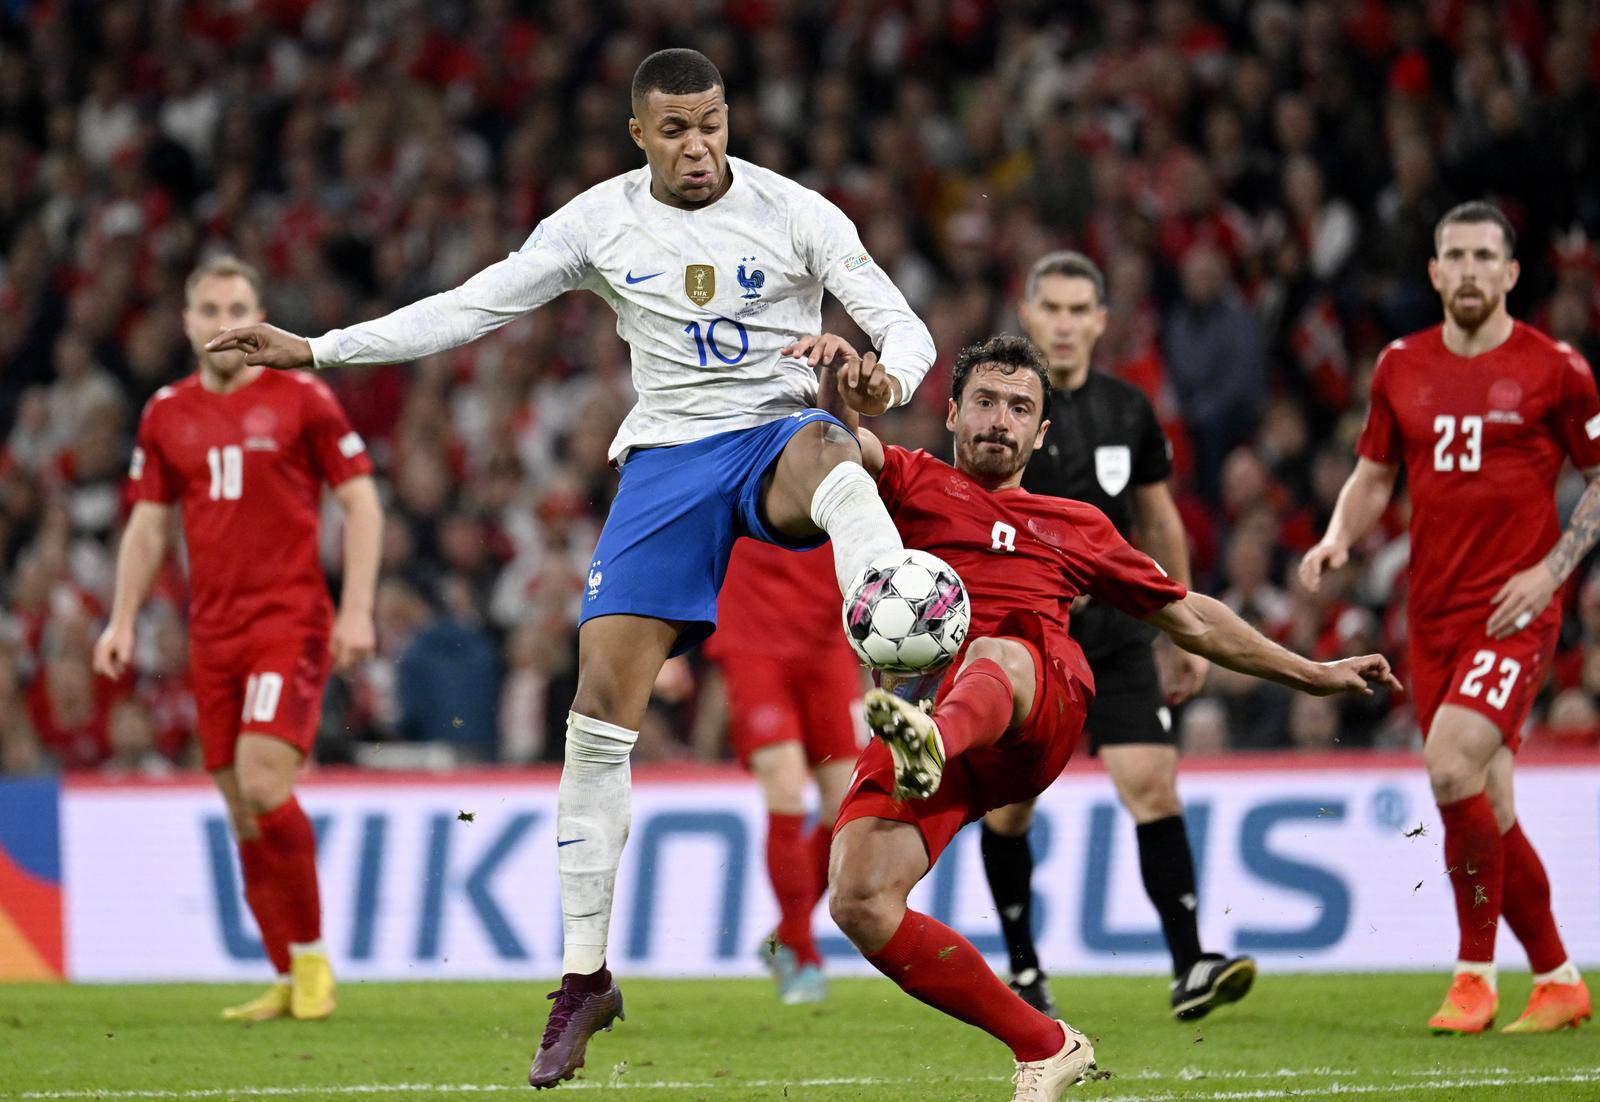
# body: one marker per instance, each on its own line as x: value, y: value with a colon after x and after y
x: 448, y: 678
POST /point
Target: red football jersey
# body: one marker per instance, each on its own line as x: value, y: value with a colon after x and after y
x: 247, y: 470
x: 782, y: 604
x: 1018, y: 550
x: 1482, y: 440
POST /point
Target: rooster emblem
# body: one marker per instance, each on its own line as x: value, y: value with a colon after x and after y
x: 754, y: 281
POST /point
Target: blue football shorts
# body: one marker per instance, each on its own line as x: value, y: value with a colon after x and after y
x: 664, y: 549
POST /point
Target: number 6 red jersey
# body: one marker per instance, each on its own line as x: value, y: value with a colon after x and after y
x: 247, y: 469
x: 1482, y: 439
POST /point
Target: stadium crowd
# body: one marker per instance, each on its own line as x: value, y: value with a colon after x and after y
x: 1259, y: 179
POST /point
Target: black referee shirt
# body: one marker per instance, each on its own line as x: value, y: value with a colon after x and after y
x: 1104, y: 440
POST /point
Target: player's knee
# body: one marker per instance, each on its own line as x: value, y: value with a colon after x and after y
x: 1151, y: 797
x: 1012, y: 657
x: 261, y: 790
x: 866, y: 913
x: 1452, y: 774
x: 1011, y: 821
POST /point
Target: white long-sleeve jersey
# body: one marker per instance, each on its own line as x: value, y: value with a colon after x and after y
x: 704, y: 298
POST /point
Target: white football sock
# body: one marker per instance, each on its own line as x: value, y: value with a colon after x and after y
x: 1567, y: 973
x: 848, y: 508
x: 594, y: 808
x: 1478, y: 968
x: 296, y: 948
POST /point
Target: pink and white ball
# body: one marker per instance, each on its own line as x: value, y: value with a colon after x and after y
x: 907, y: 613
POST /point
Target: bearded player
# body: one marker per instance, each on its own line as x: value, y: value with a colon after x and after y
x: 793, y: 687
x: 1481, y: 411
x: 244, y: 453
x: 1008, y: 719
x: 715, y: 268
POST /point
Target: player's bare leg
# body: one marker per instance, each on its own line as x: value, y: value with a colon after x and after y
x: 1460, y: 749
x: 875, y: 865
x: 618, y: 660
x: 818, y: 485
x: 277, y: 854
x: 993, y: 692
x: 1560, y: 998
x: 1146, y: 778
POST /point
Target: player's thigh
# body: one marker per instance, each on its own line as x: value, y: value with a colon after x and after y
x: 1460, y: 746
x: 285, y: 670
x: 1011, y: 821
x: 218, y: 675
x: 1146, y: 777
x: 833, y: 780
x: 873, y: 866
x: 1019, y: 661
x: 807, y: 458
x: 1128, y: 706
x: 619, y: 657
x: 762, y: 707
x: 780, y: 770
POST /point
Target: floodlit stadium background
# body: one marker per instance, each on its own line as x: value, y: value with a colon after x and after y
x: 1259, y: 180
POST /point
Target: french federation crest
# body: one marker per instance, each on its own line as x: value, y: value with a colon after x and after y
x: 700, y: 283
x: 1113, y: 466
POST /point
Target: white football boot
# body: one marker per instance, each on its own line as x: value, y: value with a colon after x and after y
x: 1046, y: 1080
x: 913, y: 741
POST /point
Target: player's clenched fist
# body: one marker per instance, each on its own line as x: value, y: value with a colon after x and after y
x: 264, y: 345
x: 1357, y: 674
x: 113, y: 650
x: 1321, y: 558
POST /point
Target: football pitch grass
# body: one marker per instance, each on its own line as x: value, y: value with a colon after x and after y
x: 1295, y: 1036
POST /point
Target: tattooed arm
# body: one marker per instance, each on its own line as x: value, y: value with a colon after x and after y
x: 1525, y: 595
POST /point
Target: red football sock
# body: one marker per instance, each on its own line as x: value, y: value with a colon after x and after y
x: 1526, y: 902
x: 936, y: 965
x: 1475, y: 860
x: 821, y: 843
x: 794, y: 882
x: 287, y: 837
x: 977, y: 709
x: 256, y: 865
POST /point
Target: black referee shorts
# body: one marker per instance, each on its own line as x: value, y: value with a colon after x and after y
x: 1128, y: 708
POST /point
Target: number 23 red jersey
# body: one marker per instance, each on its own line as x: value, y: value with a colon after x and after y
x: 1016, y: 550
x: 246, y: 469
x: 1482, y: 439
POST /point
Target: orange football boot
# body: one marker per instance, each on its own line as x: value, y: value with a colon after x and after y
x: 1468, y: 1007
x: 1551, y: 1006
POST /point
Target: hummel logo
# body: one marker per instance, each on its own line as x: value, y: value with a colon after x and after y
x: 632, y: 279
x: 568, y: 842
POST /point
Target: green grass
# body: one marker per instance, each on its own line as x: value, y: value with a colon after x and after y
x: 729, y: 1041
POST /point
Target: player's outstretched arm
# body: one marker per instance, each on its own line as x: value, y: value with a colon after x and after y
x: 354, y: 638
x: 1527, y: 592
x: 502, y: 292
x: 1361, y: 502
x: 1210, y: 628
x: 144, y: 545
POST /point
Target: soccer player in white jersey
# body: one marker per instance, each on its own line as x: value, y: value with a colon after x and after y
x: 715, y: 268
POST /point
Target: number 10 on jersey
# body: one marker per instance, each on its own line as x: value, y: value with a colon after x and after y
x: 227, y: 472
x: 708, y: 339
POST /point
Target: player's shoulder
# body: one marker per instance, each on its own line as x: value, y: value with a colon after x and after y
x: 1421, y: 345
x: 778, y: 190
x: 599, y: 207
x: 173, y: 394
x: 1120, y: 391
x: 1557, y: 353
x: 302, y: 388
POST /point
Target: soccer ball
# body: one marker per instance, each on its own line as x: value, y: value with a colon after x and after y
x: 907, y: 612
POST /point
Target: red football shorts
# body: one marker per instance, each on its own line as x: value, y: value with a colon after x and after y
x: 816, y: 704
x: 263, y: 682
x: 1457, y: 663
x: 1023, y: 763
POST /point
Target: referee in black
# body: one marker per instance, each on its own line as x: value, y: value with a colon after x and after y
x: 1106, y: 447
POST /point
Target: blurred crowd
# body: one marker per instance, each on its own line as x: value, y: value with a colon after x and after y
x: 1259, y: 179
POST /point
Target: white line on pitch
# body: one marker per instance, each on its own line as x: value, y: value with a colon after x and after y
x: 1506, y: 1078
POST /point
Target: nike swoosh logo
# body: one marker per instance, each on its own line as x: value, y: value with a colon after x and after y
x: 568, y: 842
x: 632, y: 279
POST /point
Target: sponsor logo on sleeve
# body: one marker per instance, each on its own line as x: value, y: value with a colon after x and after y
x: 533, y: 238
x: 1591, y: 427
x: 136, y: 465
x: 351, y: 445
x: 859, y: 260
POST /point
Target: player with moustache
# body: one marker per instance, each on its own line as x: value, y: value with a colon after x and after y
x: 1481, y: 411
x: 243, y: 453
x: 715, y: 268
x: 1105, y: 447
x: 1007, y: 715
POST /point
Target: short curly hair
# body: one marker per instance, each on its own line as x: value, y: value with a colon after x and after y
x: 676, y: 72
x: 1009, y: 354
